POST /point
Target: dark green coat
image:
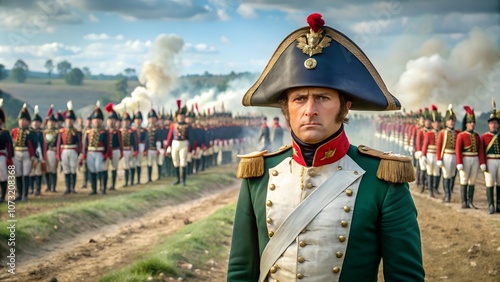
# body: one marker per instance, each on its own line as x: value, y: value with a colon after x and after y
x: 384, y: 226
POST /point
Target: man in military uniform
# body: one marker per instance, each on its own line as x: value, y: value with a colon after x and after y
x: 50, y: 136
x: 24, y: 153
x: 130, y: 141
x: 96, y: 150
x: 162, y: 133
x: 6, y: 153
x: 190, y: 119
x: 36, y: 171
x: 429, y: 151
x: 322, y: 209
x: 491, y: 154
x: 143, y: 137
x: 68, y: 148
x: 446, y: 157
x: 115, y: 146
x: 86, y: 174
x: 277, y: 134
x: 264, y: 137
x: 467, y: 151
x: 154, y: 144
x: 419, y: 142
x: 179, y: 142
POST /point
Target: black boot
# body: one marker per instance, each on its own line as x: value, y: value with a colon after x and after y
x: 489, y: 196
x: 139, y: 175
x: 177, y: 174
x: 437, y: 180
x: 432, y: 184
x: 159, y: 172
x: 187, y: 170
x: 73, y: 183
x: 3, y: 185
x: 67, y: 180
x: 93, y: 183
x: 463, y: 195
x: 471, y: 196
x: 150, y: 172
x: 498, y: 199
x: 203, y: 160
x: 103, y: 182
x: 53, y: 181
x: 32, y: 185
x: 48, y: 183
x: 85, y: 179
x: 126, y: 178
x: 447, y: 191
x: 419, y: 180
x: 452, y: 185
x: 26, y: 187
x: 38, y: 186
x: 424, y: 181
x: 113, y: 180
x: 132, y: 176
x: 19, y: 185
x: 184, y: 176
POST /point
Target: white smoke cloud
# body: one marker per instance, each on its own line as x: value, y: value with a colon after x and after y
x: 159, y: 76
x: 468, y: 74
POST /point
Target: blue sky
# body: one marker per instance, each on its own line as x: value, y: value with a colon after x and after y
x: 221, y: 36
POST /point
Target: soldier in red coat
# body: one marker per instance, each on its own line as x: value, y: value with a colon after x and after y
x: 419, y: 142
x: 446, y: 158
x: 115, y: 146
x: 6, y: 151
x: 469, y: 158
x: 429, y: 151
x: 491, y: 146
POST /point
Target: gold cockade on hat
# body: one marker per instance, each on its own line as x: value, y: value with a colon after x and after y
x: 313, y: 43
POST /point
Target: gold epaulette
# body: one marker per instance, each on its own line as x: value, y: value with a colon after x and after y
x: 252, y: 164
x: 393, y: 168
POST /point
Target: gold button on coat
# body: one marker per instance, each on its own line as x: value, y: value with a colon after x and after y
x: 271, y: 233
x: 269, y: 220
x: 301, y: 259
x: 339, y: 254
x: 269, y: 203
x: 339, y: 168
x: 341, y: 238
x: 348, y: 192
x: 302, y: 244
x: 309, y: 185
x: 300, y: 276
x: 355, y: 172
x: 336, y: 269
x: 275, y: 173
x: 272, y: 187
x: 347, y: 209
x: 273, y: 269
x: 312, y: 173
x: 344, y: 223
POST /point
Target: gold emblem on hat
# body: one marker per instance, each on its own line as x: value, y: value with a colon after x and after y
x: 310, y: 63
x: 314, y: 42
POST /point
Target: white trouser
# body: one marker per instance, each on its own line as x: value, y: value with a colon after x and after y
x: 95, y: 162
x: 161, y: 157
x: 469, y: 173
x: 138, y: 158
x: 432, y: 167
x: 180, y: 152
x: 116, y: 159
x: 3, y: 168
x: 152, y: 157
x: 492, y: 176
x: 69, y: 161
x: 128, y: 159
x: 449, y: 165
x: 22, y: 162
x: 198, y: 153
x: 51, y: 162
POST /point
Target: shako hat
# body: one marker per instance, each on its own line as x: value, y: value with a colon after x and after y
x: 36, y: 114
x: 97, y: 113
x: 450, y: 114
x: 24, y: 113
x: 495, y: 115
x: 180, y: 111
x: 320, y: 56
x: 468, y: 117
x: 70, y: 113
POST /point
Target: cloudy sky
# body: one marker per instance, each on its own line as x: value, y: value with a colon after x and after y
x: 221, y: 36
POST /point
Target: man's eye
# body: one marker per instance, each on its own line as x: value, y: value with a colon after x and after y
x: 300, y: 99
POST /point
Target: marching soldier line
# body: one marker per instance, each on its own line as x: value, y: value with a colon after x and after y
x: 178, y: 145
x: 440, y: 151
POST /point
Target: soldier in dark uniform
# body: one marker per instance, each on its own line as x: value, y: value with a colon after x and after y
x: 163, y: 133
x: 491, y: 152
x: 277, y: 134
x: 6, y: 153
x: 190, y: 119
x: 264, y: 136
x: 179, y: 141
x: 154, y: 143
x: 115, y: 146
x: 50, y: 136
x: 60, y: 119
x: 86, y: 174
x: 96, y: 150
x: 201, y: 144
x: 36, y: 171
x: 143, y: 137
x: 68, y: 148
x: 24, y: 153
x: 130, y: 141
x: 168, y: 163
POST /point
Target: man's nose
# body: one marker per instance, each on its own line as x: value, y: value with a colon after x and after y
x: 311, y: 107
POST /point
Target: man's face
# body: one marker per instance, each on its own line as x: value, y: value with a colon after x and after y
x: 470, y: 126
x: 23, y: 122
x: 160, y: 122
x: 181, y: 118
x: 87, y: 122
x: 450, y: 123
x: 69, y: 123
x: 51, y: 124
x: 35, y: 124
x: 96, y: 122
x: 493, y: 125
x: 125, y: 123
x: 312, y: 113
x: 110, y: 122
x: 138, y: 122
x: 152, y: 121
x: 436, y: 125
x: 421, y: 121
x: 427, y: 123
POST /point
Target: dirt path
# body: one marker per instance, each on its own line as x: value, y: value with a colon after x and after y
x: 89, y: 256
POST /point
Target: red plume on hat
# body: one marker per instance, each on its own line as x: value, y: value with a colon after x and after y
x: 315, y: 21
x: 196, y: 106
x: 178, y: 101
x: 434, y: 107
x: 109, y: 107
x: 50, y: 111
x: 469, y: 117
x: 468, y: 110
